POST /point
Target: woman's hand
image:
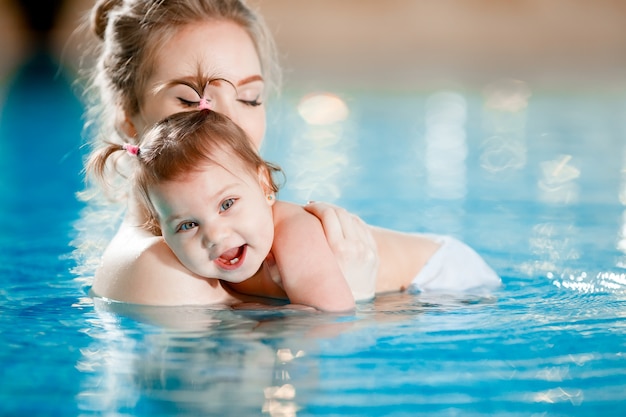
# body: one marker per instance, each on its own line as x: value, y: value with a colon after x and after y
x: 353, y: 245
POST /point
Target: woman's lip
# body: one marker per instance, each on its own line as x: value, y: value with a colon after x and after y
x: 233, y: 263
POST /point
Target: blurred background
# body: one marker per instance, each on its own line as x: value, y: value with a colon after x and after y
x: 395, y: 44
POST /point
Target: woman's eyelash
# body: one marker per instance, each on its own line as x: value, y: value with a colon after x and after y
x: 187, y: 103
x: 253, y: 103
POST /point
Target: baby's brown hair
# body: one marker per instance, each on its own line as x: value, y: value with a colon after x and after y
x: 182, y: 143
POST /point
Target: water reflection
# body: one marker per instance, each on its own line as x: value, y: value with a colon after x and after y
x: 508, y: 95
x: 621, y: 241
x: 446, y: 145
x: 557, y: 395
x: 188, y: 372
x: 504, y: 145
x: 191, y: 361
x: 280, y: 397
x: 323, y: 109
x: 552, y: 248
x: 558, y: 181
x: 621, y: 236
x: 319, y: 156
x: 404, y: 354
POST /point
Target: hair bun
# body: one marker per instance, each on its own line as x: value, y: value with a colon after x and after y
x: 100, y: 15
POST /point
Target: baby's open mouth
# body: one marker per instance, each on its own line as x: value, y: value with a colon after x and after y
x: 232, y: 258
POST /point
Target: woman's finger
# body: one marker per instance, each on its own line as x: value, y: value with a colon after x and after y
x: 327, y: 213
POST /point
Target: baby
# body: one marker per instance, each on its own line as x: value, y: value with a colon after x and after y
x: 213, y: 199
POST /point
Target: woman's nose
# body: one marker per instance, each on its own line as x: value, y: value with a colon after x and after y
x: 222, y: 96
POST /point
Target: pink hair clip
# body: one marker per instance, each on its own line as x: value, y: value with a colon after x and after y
x: 131, y: 149
x: 205, y: 104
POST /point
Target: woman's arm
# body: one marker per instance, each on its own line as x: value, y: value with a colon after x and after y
x: 353, y: 246
x: 308, y: 269
x: 140, y: 268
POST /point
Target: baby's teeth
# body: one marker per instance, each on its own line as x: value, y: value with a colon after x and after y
x: 234, y: 261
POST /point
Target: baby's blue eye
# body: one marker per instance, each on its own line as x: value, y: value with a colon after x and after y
x: 226, y: 204
x: 187, y: 226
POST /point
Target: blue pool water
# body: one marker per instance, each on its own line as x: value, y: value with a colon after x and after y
x: 534, y: 181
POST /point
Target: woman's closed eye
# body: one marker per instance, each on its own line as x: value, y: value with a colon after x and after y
x: 186, y: 226
x: 186, y: 94
x: 250, y: 91
x: 253, y: 103
x: 194, y: 103
x: 188, y: 103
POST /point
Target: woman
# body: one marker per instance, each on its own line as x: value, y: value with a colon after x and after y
x: 156, y: 58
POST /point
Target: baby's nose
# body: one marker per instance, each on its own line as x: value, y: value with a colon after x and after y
x: 213, y: 236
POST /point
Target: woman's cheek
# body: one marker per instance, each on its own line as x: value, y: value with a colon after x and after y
x: 256, y: 129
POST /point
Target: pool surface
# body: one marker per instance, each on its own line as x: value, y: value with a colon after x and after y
x: 534, y: 181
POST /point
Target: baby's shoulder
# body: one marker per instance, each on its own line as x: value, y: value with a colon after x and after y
x: 293, y: 222
x: 285, y: 211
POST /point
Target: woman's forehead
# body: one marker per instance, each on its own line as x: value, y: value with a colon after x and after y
x: 211, y: 49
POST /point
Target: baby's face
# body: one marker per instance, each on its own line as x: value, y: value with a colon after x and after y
x: 218, y: 221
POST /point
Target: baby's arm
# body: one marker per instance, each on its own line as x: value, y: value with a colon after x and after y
x: 309, y: 271
x: 353, y: 246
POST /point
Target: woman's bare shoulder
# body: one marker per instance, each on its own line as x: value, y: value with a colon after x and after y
x: 140, y: 268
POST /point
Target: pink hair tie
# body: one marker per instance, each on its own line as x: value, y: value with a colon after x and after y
x: 131, y: 149
x: 205, y: 104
